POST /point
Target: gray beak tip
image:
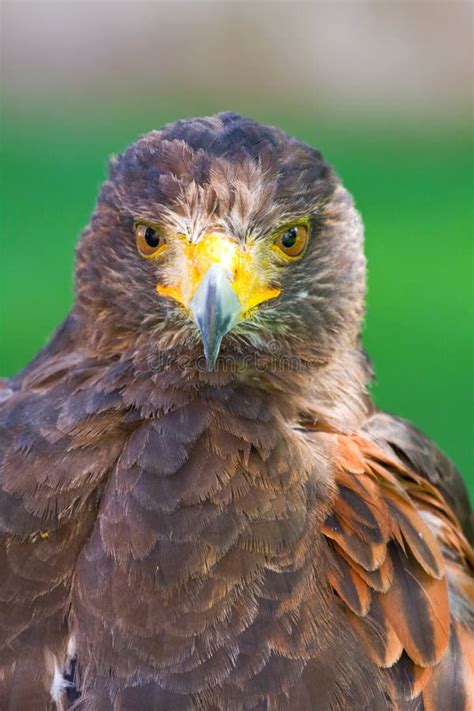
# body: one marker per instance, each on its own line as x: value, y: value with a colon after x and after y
x: 216, y: 309
x: 211, y: 356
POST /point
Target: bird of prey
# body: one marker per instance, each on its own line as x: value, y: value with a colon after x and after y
x: 200, y: 505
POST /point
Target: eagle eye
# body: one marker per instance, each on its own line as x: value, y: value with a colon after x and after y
x: 150, y: 240
x: 292, y: 242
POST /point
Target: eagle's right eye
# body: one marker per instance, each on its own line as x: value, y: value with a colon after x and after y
x: 150, y: 240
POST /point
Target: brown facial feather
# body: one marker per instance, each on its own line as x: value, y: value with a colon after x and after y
x: 248, y: 538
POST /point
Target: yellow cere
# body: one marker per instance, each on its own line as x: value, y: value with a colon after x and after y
x: 219, y: 249
x: 236, y: 259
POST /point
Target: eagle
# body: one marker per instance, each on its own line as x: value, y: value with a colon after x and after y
x: 200, y: 505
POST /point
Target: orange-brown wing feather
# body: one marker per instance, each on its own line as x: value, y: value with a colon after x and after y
x: 451, y: 683
x: 395, y: 547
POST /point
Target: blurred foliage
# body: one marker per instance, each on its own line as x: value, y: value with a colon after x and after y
x: 413, y: 183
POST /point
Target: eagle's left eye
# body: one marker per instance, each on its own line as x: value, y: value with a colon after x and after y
x: 292, y: 242
x: 150, y: 240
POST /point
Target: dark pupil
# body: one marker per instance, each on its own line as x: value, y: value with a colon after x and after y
x: 289, y: 238
x: 151, y: 237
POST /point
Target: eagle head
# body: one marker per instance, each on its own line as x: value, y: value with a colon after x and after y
x: 222, y: 236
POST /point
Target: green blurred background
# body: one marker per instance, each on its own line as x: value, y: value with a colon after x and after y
x: 382, y: 90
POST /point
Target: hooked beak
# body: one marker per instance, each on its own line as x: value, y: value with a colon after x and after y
x: 215, y: 308
x: 218, y: 281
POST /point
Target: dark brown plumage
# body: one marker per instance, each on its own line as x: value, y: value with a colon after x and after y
x: 246, y: 532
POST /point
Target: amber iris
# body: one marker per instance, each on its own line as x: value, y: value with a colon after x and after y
x: 150, y: 241
x: 292, y: 242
